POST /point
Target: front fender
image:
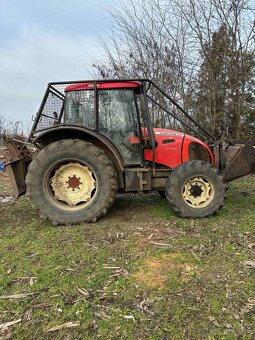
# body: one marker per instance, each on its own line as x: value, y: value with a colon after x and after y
x: 195, y: 149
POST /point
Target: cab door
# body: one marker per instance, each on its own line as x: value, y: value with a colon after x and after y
x: 118, y: 121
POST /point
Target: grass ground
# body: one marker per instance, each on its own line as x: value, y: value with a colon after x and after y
x: 139, y: 273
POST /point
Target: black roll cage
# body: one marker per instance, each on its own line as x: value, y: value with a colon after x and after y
x: 146, y: 84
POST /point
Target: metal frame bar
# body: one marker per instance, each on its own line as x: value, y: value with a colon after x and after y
x: 174, y: 116
x: 96, y: 107
x: 147, y: 121
x: 143, y: 82
x: 56, y: 92
x: 182, y: 110
x: 38, y: 115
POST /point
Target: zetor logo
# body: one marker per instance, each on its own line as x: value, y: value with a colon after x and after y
x: 169, y: 133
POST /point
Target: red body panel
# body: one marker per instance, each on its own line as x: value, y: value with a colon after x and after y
x: 89, y: 86
x: 172, y: 148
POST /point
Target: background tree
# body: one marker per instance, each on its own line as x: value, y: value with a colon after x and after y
x: 9, y: 128
x: 200, y: 52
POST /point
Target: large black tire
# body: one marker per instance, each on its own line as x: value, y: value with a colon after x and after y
x: 65, y: 152
x: 194, y: 190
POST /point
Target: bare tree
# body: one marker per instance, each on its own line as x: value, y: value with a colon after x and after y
x: 10, y: 128
x: 2, y: 127
x: 170, y: 41
x: 16, y: 128
x: 236, y: 19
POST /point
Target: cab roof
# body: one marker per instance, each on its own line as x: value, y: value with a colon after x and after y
x: 102, y: 85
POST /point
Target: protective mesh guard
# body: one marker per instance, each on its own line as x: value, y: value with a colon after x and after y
x: 52, y: 107
x: 51, y: 112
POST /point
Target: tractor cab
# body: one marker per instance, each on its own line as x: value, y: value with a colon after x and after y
x: 118, y: 111
x: 112, y: 111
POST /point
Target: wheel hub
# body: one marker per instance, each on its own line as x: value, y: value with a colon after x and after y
x: 198, y: 192
x: 73, y: 183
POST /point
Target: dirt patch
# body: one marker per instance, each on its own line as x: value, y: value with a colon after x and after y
x: 155, y: 271
x: 5, y: 187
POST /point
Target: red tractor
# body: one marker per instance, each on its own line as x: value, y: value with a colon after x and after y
x: 95, y: 138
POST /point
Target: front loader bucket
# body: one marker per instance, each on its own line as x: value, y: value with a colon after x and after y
x: 17, y: 157
x: 243, y: 162
x: 17, y: 174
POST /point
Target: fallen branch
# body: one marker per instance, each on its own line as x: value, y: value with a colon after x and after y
x: 83, y: 291
x: 17, y: 296
x: 160, y: 244
x: 26, y: 277
x: 150, y: 236
x: 195, y: 255
x: 4, y: 326
x: 64, y: 325
x: 30, y: 278
x: 129, y: 317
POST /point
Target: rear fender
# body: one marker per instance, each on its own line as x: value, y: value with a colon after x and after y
x: 76, y: 132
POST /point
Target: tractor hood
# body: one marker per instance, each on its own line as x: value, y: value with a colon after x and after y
x: 174, y: 148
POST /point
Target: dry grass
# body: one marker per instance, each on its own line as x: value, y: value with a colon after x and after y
x: 139, y: 273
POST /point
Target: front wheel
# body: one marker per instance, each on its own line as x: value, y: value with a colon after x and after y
x: 71, y: 181
x: 195, y: 190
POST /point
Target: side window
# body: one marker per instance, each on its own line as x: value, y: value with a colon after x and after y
x: 118, y: 121
x: 79, y: 108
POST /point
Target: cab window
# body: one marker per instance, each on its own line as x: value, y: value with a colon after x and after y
x: 118, y: 120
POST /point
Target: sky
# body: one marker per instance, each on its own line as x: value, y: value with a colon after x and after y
x: 43, y: 41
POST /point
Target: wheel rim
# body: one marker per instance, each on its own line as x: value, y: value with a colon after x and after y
x: 72, y: 185
x: 198, y: 192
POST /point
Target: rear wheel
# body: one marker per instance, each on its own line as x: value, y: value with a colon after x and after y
x: 194, y: 189
x: 71, y: 181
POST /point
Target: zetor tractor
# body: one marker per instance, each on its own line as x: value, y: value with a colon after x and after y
x: 92, y: 139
